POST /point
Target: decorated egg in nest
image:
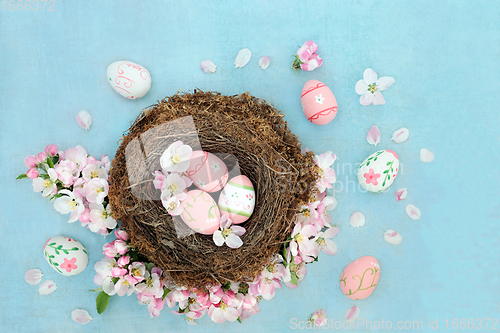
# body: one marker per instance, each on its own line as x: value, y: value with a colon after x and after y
x: 360, y: 278
x: 237, y: 199
x: 318, y: 102
x: 201, y: 212
x: 65, y: 255
x: 378, y: 171
x: 207, y: 171
x: 129, y: 79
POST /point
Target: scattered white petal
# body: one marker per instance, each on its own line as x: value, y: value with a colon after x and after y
x: 401, y: 135
x: 33, y: 276
x: 242, y: 58
x: 426, y: 155
x: 401, y: 194
x: 47, y: 287
x: 208, y: 66
x: 264, y: 62
x: 392, y: 237
x: 84, y: 119
x: 82, y: 317
x: 373, y: 136
x: 357, y: 220
x: 413, y: 212
x: 352, y: 314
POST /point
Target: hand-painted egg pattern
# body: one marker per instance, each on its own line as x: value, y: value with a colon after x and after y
x: 237, y: 199
x: 378, y: 171
x: 129, y: 79
x: 360, y: 278
x: 207, y: 171
x: 318, y: 102
x: 65, y: 255
x: 201, y: 212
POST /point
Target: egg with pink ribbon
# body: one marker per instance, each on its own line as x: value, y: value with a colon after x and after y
x: 201, y: 212
x: 318, y: 102
x: 237, y: 199
x: 378, y: 171
x: 129, y: 79
x: 360, y: 278
x: 65, y: 255
x: 207, y: 171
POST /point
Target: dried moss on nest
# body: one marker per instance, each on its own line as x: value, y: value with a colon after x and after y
x: 267, y: 152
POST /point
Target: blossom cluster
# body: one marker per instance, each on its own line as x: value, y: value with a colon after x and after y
x: 124, y: 271
x: 306, y: 58
x: 78, y: 184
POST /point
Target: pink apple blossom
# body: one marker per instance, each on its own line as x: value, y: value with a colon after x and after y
x: 41, y: 157
x: 327, y: 174
x: 123, y: 261
x: 46, y: 186
x: 121, y: 234
x: 137, y: 271
x: 306, y: 58
x: 30, y: 161
x: 324, y: 242
x: 96, y: 190
x: 70, y: 202
x: 51, y: 150
x: 176, y: 157
x: 32, y: 173
x: 319, y: 318
x: 228, y: 234
x: 67, y: 172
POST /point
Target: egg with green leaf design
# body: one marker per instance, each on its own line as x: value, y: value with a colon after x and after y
x: 378, y: 171
x: 360, y: 278
x: 201, y: 212
x: 65, y: 255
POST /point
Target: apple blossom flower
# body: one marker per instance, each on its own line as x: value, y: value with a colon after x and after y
x: 105, y: 162
x: 108, y: 286
x: 118, y: 271
x: 103, y: 269
x: 51, y: 150
x: 306, y: 58
x: 155, y: 306
x: 30, y: 161
x: 159, y: 179
x: 76, y: 154
x: 151, y: 285
x: 370, y: 87
x: 121, y: 234
x: 308, y: 213
x: 123, y: 287
x: 264, y: 286
x: 67, y: 172
x: 221, y: 312
x: 327, y: 174
x: 319, y: 318
x: 94, y: 170
x: 228, y: 234
x: 175, y: 185
x: 41, y: 158
x: 84, y: 120
x: 171, y: 203
x: 300, y: 240
x: 324, y: 242
x: 295, y: 271
x: 96, y: 190
x: 70, y: 202
x: 46, y: 186
x: 176, y: 157
x: 250, y: 305
x: 123, y: 261
x: 137, y: 271
x: 100, y: 217
x: 120, y: 246
x: 32, y: 173
x: 109, y: 250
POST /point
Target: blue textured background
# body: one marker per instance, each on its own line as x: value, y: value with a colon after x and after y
x: 444, y: 56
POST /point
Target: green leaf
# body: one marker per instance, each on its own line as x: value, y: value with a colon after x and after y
x: 115, y: 280
x: 149, y: 266
x: 65, y: 251
x: 386, y: 171
x: 101, y: 302
x: 23, y: 176
x: 374, y: 159
x: 295, y: 279
x: 388, y: 163
x: 50, y: 163
x: 226, y: 286
x: 368, y: 163
x: 96, y: 290
x: 239, y: 319
x: 57, y: 252
x: 55, y: 264
x: 55, y: 159
x: 74, y: 249
x: 165, y: 293
x: 52, y: 244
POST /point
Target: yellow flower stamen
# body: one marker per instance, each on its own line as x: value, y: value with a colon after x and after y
x: 373, y: 88
x: 47, y: 183
x: 172, y: 188
x: 149, y: 282
x: 306, y: 212
x: 226, y: 232
x: 176, y: 159
x: 299, y: 238
x: 72, y: 204
x: 94, y: 174
x: 99, y: 190
x: 223, y: 306
x: 135, y: 272
x: 125, y: 283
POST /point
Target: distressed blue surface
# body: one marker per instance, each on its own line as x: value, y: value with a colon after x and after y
x: 444, y: 56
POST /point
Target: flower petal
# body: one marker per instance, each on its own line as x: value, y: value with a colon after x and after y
x: 413, y: 212
x: 392, y: 237
x: 373, y: 136
x: 238, y: 231
x: 370, y: 76
x: 33, y: 276
x: 357, y: 220
x: 47, y: 287
x: 82, y: 317
x: 217, y: 237
x: 400, y: 194
x: 234, y: 241
x: 361, y: 87
x: 426, y: 155
x: 401, y: 135
x: 242, y: 58
x: 385, y: 82
x: 208, y: 66
x: 378, y: 99
x: 84, y: 120
x: 264, y: 62
x: 352, y: 314
x: 366, y: 98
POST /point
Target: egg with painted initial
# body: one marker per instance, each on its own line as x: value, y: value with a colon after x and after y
x: 360, y: 278
x: 65, y: 255
x: 129, y: 79
x: 207, y: 171
x: 378, y: 171
x: 237, y: 199
x: 201, y: 212
x: 318, y: 102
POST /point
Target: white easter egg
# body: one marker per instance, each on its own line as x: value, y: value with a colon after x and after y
x: 237, y: 199
x: 378, y: 171
x: 66, y: 255
x: 129, y: 79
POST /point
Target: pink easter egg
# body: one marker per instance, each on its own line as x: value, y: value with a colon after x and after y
x: 237, y: 199
x: 207, y: 171
x: 201, y: 212
x: 318, y: 102
x: 360, y: 278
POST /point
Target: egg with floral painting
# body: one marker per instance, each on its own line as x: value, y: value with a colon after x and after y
x: 207, y: 171
x: 201, y: 212
x: 360, y: 278
x: 237, y: 199
x: 129, y: 79
x: 65, y: 255
x: 378, y: 171
x: 318, y: 102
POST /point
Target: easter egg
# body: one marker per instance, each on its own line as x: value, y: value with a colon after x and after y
x: 237, y: 199
x: 318, y: 102
x: 129, y: 79
x: 207, y: 171
x: 360, y: 278
x: 66, y: 255
x: 378, y: 171
x: 201, y: 212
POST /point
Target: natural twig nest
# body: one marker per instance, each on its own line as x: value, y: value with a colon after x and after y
x: 267, y: 152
